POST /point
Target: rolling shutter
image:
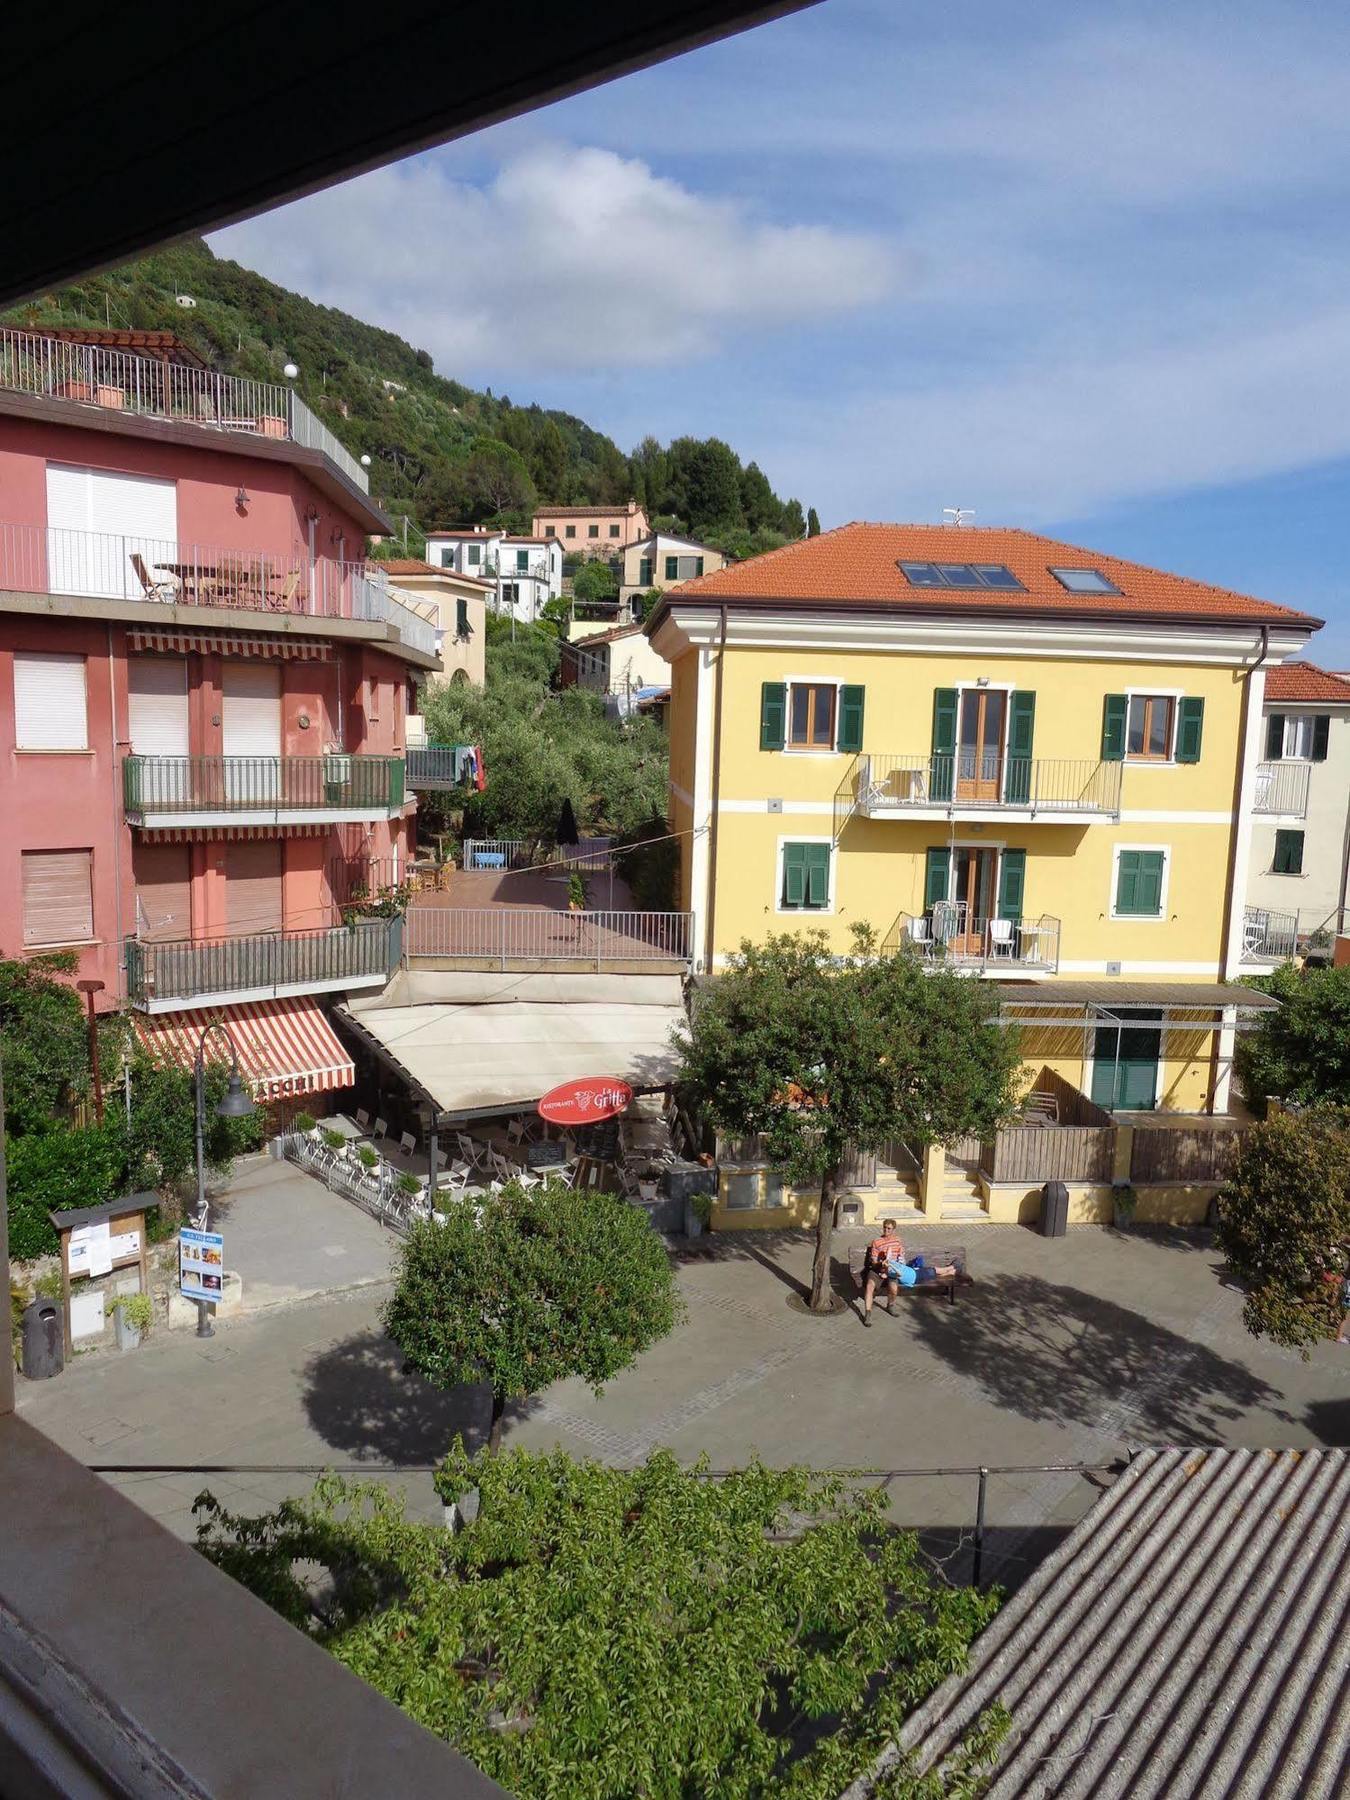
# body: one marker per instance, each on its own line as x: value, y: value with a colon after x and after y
x: 163, y: 892
x: 1190, y: 728
x: 1021, y: 729
x: 252, y: 887
x: 944, y: 743
x: 96, y: 522
x: 1274, y: 737
x: 1011, y: 884
x: 772, y: 715
x: 935, y: 877
x: 1321, y: 736
x: 252, y: 709
x: 1115, y: 711
x: 157, y: 704
x: 850, y: 718
x: 58, y: 899
x: 49, y: 702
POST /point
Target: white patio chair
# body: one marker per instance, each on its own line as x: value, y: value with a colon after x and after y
x: 918, y: 934
x: 1001, y: 937
x: 381, y: 1130
x: 407, y: 1143
x: 474, y: 1153
x: 363, y: 1120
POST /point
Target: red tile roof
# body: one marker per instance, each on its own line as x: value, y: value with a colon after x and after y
x: 857, y: 564
x: 412, y: 565
x: 1305, y: 681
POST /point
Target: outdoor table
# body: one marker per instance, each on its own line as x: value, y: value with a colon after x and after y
x: 222, y: 582
x: 346, y: 1127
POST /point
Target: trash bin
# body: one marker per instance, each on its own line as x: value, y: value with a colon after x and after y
x: 43, y: 1351
x: 1054, y: 1209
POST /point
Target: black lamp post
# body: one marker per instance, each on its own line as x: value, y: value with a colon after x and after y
x: 237, y: 1104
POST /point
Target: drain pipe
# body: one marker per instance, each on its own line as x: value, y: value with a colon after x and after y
x: 716, y: 790
x: 1241, y: 830
x: 119, y: 818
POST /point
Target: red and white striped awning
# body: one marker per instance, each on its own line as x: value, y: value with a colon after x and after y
x: 285, y: 1046
x: 219, y: 643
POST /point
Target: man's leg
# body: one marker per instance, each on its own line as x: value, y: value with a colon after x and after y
x: 893, y: 1289
x: 869, y: 1290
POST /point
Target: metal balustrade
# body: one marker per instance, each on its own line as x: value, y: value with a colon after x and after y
x: 497, y: 853
x: 435, y: 766
x: 123, y: 381
x: 506, y: 935
x: 1268, y: 936
x: 973, y: 781
x: 156, y: 785
x: 952, y: 936
x: 1282, y: 787
x: 162, y: 974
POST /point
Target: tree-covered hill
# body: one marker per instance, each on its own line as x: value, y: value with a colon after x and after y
x: 441, y: 451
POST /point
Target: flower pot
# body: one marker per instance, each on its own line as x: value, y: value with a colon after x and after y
x: 647, y: 1191
x: 128, y: 1336
x: 110, y: 396
x: 75, y: 390
x: 271, y: 425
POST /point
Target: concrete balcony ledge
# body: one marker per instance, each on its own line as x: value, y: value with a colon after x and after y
x: 129, y: 1665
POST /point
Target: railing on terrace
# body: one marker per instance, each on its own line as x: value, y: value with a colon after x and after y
x: 506, y: 935
x: 970, y: 780
x: 1282, y: 787
x: 153, y: 785
x: 364, y: 878
x: 1268, y: 936
x: 950, y: 935
x: 123, y: 381
x: 435, y: 765
x: 497, y: 853
x: 267, y: 961
x: 40, y: 559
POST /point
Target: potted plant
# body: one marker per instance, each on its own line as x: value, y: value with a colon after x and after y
x: 697, y: 1214
x: 1124, y: 1199
x: 647, y: 1181
x: 304, y: 1123
x: 409, y: 1186
x: 333, y: 1140
x: 107, y: 393
x: 576, y: 893
x: 131, y: 1318
x: 368, y: 1157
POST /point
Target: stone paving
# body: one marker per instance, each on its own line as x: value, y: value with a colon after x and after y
x: 1068, y: 1350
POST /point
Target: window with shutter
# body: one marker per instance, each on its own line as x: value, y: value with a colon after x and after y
x: 1139, y: 883
x: 1190, y: 728
x: 1115, y: 708
x: 1288, y: 853
x: 1321, y: 736
x: 1148, y: 733
x: 1012, y: 878
x: 936, y: 866
x: 645, y: 571
x: 772, y: 715
x: 162, y: 873
x: 806, y: 877
x: 1021, y: 727
x: 672, y: 568
x: 157, y: 705
x: 461, y: 618
x: 944, y: 743
x: 50, y: 711
x: 1274, y: 737
x: 851, y: 701
x: 58, y: 897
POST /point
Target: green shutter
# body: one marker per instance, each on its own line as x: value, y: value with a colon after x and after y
x: 1012, y: 880
x: 1190, y: 728
x: 944, y: 743
x: 1115, y: 711
x: 1127, y: 881
x: 1150, y: 883
x: 645, y: 571
x: 772, y: 715
x: 1139, y: 876
x: 461, y: 618
x: 1288, y: 853
x: 698, y: 565
x: 794, y: 874
x: 850, y: 718
x: 935, y: 877
x: 672, y: 568
x: 1321, y: 735
x: 1021, y: 726
x: 1275, y: 737
x: 817, y: 874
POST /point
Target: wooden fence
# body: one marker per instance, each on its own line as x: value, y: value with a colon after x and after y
x: 1174, y: 1155
x: 1036, y: 1153
x: 1072, y: 1105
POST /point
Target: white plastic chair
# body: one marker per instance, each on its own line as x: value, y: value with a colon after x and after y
x: 381, y: 1129
x: 919, y: 935
x: 407, y: 1143
x: 1000, y: 936
x: 363, y: 1120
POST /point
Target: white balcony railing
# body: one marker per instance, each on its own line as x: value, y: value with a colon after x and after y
x: 1282, y: 787
x: 123, y: 381
x: 1268, y: 936
x: 951, y: 935
x: 37, y: 559
x: 973, y: 780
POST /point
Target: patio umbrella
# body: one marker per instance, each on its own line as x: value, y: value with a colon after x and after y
x: 567, y: 832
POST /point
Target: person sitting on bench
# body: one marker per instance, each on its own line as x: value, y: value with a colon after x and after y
x: 882, y: 1254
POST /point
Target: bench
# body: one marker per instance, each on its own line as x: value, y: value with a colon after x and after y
x: 944, y: 1257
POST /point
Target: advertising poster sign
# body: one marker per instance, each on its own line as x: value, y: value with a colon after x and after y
x: 201, y: 1264
x: 583, y: 1102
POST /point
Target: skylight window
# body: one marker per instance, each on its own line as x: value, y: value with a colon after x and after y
x: 1084, y: 581
x: 960, y: 575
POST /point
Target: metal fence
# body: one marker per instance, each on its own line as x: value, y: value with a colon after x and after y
x: 1268, y: 936
x: 970, y: 780
x: 376, y: 1191
x: 436, y: 766
x: 1282, y: 787
x: 506, y: 935
x: 497, y: 853
x: 183, y: 970
x: 587, y: 853
x: 123, y: 381
x: 273, y: 784
x: 1174, y: 1154
x: 950, y: 935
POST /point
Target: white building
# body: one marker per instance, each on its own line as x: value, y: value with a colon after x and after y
x: 1300, y: 855
x: 528, y: 571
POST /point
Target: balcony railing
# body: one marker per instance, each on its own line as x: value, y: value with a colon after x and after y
x: 508, y: 935
x: 1268, y: 936
x: 155, y: 786
x: 436, y: 766
x: 976, y: 780
x: 1282, y: 787
x: 122, y: 381
x: 950, y: 935
x: 161, y: 976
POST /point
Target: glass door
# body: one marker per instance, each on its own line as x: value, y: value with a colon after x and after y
x: 979, y: 744
x: 1125, y: 1062
x: 974, y: 887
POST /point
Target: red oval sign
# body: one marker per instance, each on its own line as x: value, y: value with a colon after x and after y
x: 583, y: 1102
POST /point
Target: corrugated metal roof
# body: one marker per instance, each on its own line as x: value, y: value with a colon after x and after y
x: 1134, y: 993
x: 1190, y: 1637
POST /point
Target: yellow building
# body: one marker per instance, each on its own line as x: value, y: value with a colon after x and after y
x: 1029, y: 762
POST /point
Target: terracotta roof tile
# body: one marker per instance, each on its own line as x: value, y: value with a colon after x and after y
x: 858, y: 564
x: 1305, y: 681
x: 412, y: 565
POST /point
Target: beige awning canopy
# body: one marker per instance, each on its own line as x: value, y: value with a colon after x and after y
x: 477, y: 1044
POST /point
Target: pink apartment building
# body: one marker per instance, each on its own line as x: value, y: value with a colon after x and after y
x: 203, y: 695
x: 593, y: 530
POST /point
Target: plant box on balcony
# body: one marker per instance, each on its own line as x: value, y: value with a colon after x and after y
x: 75, y: 390
x: 110, y: 396
x: 271, y: 425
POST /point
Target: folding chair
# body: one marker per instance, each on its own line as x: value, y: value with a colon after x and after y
x: 381, y: 1129
x: 473, y: 1153
x: 363, y: 1120
x: 407, y: 1143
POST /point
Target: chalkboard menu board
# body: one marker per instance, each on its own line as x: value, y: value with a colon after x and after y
x: 599, y: 1142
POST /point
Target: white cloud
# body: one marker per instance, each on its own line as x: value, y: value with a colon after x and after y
x: 570, y: 258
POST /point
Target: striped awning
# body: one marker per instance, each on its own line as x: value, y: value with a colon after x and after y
x: 220, y: 643
x: 227, y: 834
x: 285, y: 1046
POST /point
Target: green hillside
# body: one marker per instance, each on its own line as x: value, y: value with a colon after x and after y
x: 441, y: 452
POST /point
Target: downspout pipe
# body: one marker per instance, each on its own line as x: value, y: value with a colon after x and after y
x: 716, y: 789
x: 1232, y: 898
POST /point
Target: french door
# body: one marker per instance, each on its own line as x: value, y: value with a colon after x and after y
x: 981, y: 729
x: 973, y: 898
x: 1125, y: 1062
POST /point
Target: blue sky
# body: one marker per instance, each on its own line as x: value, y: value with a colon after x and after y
x: 1080, y: 268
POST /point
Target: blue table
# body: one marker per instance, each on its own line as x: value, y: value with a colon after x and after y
x: 489, y: 859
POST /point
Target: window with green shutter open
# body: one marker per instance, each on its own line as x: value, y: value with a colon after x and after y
x: 806, y: 878
x: 1288, y: 853
x: 1139, y: 883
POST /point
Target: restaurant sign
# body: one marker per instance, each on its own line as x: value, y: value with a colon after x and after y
x: 583, y: 1102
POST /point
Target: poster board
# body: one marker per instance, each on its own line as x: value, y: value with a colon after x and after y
x: 201, y: 1264
x: 97, y: 1241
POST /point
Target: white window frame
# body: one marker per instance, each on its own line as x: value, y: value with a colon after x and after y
x: 1296, y: 719
x: 804, y: 912
x: 1176, y: 696
x: 1158, y: 918
x: 67, y: 659
x: 791, y: 681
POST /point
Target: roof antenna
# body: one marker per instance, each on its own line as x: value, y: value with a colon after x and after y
x: 957, y: 515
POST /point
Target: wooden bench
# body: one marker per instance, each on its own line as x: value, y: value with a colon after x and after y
x: 944, y: 1257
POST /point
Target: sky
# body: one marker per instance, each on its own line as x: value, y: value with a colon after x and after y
x: 1084, y: 269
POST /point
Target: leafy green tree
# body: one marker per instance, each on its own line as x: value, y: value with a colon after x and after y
x: 812, y: 522
x: 794, y: 525
x: 595, y: 580
x: 44, y: 1038
x: 821, y: 1054
x: 548, y: 461
x: 712, y: 480
x: 1302, y: 1050
x: 761, y: 508
x: 1284, y: 1224
x: 603, y: 1633
x: 528, y: 1287
x: 494, y: 481
x: 59, y: 1168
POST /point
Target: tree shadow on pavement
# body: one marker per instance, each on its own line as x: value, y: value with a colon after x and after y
x: 360, y: 1401
x: 1060, y: 1354
x: 1329, y: 1421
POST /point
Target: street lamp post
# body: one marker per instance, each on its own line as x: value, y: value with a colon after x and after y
x: 237, y: 1104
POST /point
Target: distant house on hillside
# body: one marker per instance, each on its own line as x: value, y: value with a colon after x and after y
x: 526, y: 571
x: 661, y: 560
x: 455, y: 603
x: 621, y: 663
x: 592, y: 530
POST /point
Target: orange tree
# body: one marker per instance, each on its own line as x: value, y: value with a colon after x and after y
x: 822, y: 1054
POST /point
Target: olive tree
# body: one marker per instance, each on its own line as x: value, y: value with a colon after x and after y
x: 527, y: 1287
x: 1299, y: 1050
x: 823, y: 1055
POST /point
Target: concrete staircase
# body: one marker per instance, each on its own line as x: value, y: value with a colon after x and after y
x: 962, y: 1202
x: 897, y: 1196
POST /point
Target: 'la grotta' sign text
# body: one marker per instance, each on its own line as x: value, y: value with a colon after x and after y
x: 583, y: 1102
